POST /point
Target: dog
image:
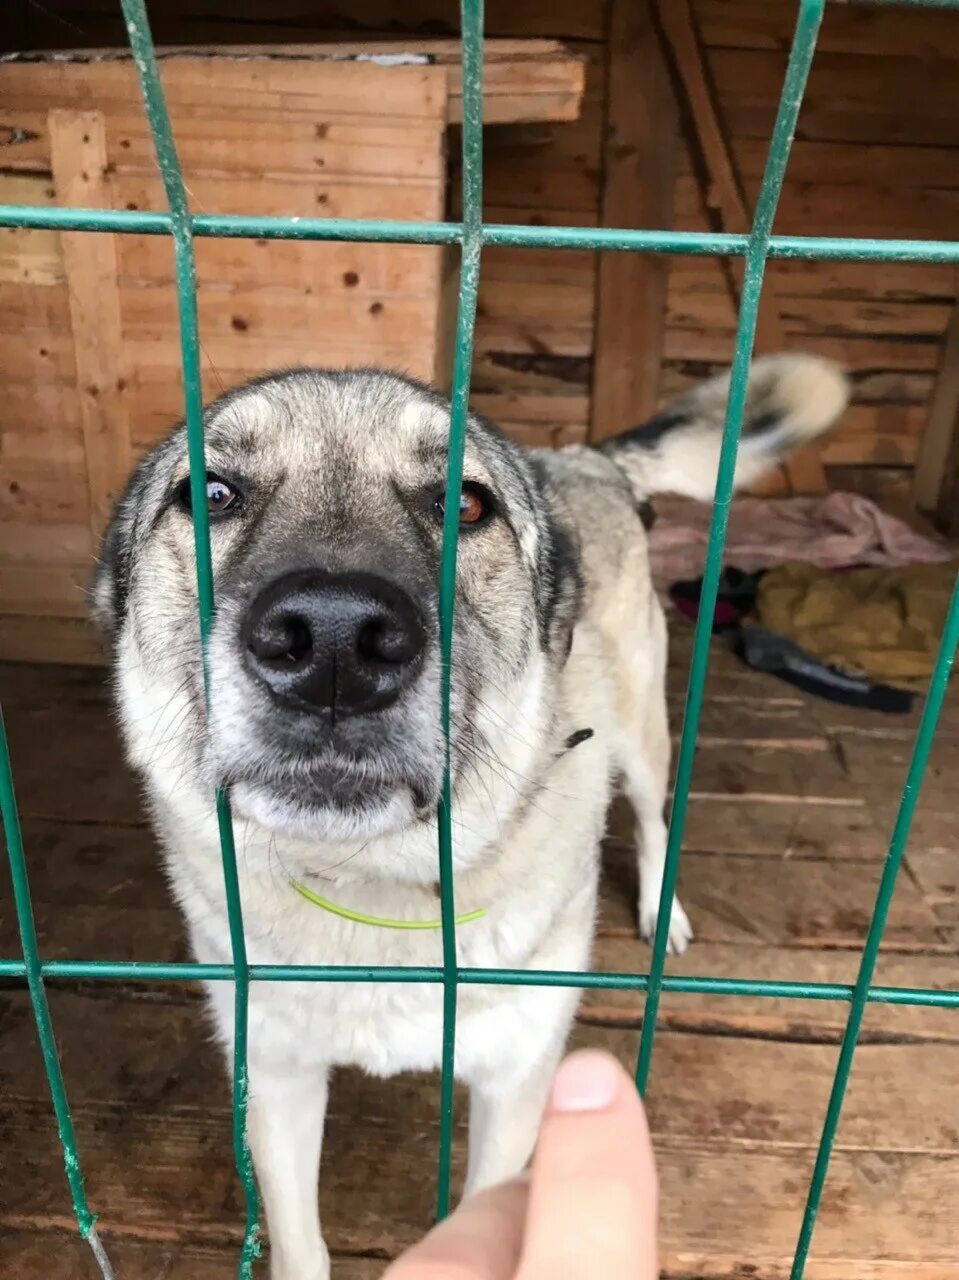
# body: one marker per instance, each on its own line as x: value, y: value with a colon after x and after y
x: 326, y: 497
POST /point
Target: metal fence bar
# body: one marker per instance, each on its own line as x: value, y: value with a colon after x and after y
x: 794, y: 85
x: 33, y: 972
x: 141, y: 44
x: 367, y: 230
x: 887, y: 884
x: 471, y: 17
x: 160, y: 971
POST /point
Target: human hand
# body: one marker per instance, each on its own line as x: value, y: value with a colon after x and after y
x: 588, y: 1209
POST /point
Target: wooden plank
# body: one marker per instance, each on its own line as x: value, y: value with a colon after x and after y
x: 30, y: 685
x: 205, y: 22
x: 24, y: 542
x: 936, y: 872
x: 23, y: 302
x: 742, y: 1143
x: 126, y: 1054
x: 856, y: 354
x: 850, y: 97
x: 82, y: 752
x: 367, y: 268
x: 926, y: 34
x: 45, y: 590
x: 774, y: 902
x: 787, y: 829
x: 823, y: 209
x: 251, y: 146
x: 902, y: 282
x: 78, y: 159
x: 525, y: 81
x: 290, y: 195
x: 724, y: 195
x: 762, y: 1017
x: 728, y: 768
x: 345, y: 90
x: 40, y: 639
x: 639, y: 170
x: 256, y: 315
x: 937, y: 467
x: 879, y: 761
x: 33, y: 411
x: 29, y: 257
x: 228, y: 360
x: 60, y: 1255
x: 44, y: 475
x: 815, y: 316
x: 722, y: 1211
x: 543, y: 436
x: 837, y: 163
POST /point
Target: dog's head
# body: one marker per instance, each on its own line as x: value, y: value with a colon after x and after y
x: 326, y: 494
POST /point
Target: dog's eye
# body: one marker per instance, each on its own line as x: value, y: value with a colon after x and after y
x: 220, y: 494
x: 475, y: 505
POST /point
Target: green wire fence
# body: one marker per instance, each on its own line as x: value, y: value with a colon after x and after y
x: 471, y: 235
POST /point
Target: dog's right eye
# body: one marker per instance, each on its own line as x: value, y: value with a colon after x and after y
x: 220, y: 495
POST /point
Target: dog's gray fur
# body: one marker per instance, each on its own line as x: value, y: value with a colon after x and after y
x: 557, y: 632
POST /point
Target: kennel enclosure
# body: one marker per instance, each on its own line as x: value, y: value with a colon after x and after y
x: 472, y: 235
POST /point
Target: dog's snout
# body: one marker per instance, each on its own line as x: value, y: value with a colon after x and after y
x: 343, y: 643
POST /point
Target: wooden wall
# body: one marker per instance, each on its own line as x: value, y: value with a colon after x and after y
x: 876, y: 154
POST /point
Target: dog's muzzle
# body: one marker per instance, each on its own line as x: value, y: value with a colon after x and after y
x: 343, y: 644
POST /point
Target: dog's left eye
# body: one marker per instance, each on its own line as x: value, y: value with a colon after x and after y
x: 220, y: 494
x: 475, y: 505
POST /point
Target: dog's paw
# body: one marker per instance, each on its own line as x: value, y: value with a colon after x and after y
x: 680, y: 930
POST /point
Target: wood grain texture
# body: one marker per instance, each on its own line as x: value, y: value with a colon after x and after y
x: 79, y: 160
x: 640, y: 157
x: 885, y: 324
x: 90, y: 337
x: 729, y: 1139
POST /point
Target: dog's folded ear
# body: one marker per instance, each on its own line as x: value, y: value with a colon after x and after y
x: 560, y: 586
x: 109, y: 584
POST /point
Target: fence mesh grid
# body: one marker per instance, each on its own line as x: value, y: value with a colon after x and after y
x: 471, y: 235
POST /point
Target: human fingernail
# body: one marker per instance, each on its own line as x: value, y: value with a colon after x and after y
x: 586, y: 1081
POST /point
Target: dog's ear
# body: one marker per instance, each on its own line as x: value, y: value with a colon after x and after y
x: 559, y: 568
x: 107, y: 593
x: 562, y: 586
x: 110, y: 584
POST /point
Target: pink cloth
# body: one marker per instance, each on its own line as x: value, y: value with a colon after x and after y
x: 832, y: 532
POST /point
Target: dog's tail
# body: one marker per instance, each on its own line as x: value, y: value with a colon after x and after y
x: 790, y: 400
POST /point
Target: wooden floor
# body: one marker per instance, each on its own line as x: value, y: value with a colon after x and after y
x: 793, y: 800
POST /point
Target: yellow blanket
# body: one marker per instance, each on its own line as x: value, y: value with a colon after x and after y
x: 882, y: 623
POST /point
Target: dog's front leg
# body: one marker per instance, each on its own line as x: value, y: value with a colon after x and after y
x: 504, y: 1123
x: 285, y: 1129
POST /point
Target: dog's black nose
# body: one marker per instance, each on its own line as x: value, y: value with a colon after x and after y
x: 346, y: 643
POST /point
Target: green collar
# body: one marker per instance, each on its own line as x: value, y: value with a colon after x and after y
x: 378, y: 921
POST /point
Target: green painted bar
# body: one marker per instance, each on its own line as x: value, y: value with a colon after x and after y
x: 471, y: 17
x: 694, y: 243
x: 32, y: 971
x: 797, y: 73
x: 897, y: 847
x: 141, y: 44
x: 159, y: 971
